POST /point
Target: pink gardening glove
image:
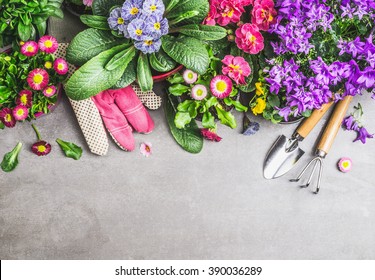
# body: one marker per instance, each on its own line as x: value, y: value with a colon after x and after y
x: 121, y: 110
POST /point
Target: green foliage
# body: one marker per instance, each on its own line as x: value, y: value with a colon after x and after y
x: 70, y: 150
x: 144, y: 75
x: 189, y: 138
x: 98, y: 22
x: 24, y: 20
x: 203, y: 32
x: 161, y: 62
x: 103, y: 7
x: 10, y: 160
x: 184, y: 6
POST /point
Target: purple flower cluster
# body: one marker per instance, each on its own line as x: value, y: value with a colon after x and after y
x: 350, y: 123
x: 141, y: 21
x: 308, y: 76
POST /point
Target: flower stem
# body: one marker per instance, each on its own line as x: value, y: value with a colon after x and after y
x: 37, y: 132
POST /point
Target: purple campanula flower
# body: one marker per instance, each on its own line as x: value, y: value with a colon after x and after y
x: 117, y: 22
x: 153, y: 7
x: 284, y: 112
x: 131, y: 9
x: 347, y: 11
x: 363, y: 134
x: 149, y: 45
x: 367, y: 77
x: 139, y: 30
x: 350, y: 123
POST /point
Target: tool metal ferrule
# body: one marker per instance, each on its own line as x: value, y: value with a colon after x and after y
x: 297, y: 136
x: 321, y: 154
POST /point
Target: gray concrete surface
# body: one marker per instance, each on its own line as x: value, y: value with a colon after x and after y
x: 174, y: 205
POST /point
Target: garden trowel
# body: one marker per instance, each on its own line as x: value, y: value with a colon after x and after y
x: 285, y: 152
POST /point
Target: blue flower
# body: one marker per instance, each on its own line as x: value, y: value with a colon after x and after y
x: 131, y: 9
x: 139, y: 30
x: 117, y: 22
x: 157, y: 25
x: 154, y: 7
x: 148, y: 46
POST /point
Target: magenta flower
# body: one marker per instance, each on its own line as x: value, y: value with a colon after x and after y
x: 212, y: 14
x: 221, y: 86
x: 264, y: 14
x: 61, y: 66
x: 20, y: 112
x: 29, y: 48
x: 25, y: 98
x: 236, y: 68
x: 38, y: 79
x: 87, y: 3
x: 7, y: 118
x: 210, y: 135
x: 249, y: 39
x: 345, y: 164
x: 48, y: 44
x: 40, y: 148
x: 199, y: 92
x: 189, y: 76
x: 146, y: 149
x: 228, y: 11
x: 49, y: 91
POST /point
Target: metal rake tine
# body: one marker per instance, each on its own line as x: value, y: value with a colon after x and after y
x: 303, y: 171
x: 316, y: 160
x: 319, y: 176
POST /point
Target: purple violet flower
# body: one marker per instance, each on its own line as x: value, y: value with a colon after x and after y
x: 139, y: 30
x: 157, y: 25
x: 153, y: 7
x: 131, y: 9
x: 117, y: 22
x: 148, y: 45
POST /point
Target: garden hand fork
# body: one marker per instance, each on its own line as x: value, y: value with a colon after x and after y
x: 325, y: 143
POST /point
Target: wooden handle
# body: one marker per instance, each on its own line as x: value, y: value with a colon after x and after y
x: 334, y: 124
x: 307, y: 126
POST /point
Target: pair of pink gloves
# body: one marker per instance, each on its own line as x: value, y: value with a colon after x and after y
x: 122, y: 111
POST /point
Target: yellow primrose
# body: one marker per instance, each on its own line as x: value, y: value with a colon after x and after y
x: 259, y: 107
x: 259, y: 89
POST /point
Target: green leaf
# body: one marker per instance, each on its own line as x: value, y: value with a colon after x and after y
x: 129, y: 76
x: 103, y: 7
x: 176, y: 79
x: 306, y: 113
x: 89, y: 43
x: 2, y: 126
x: 178, y: 89
x: 41, y: 27
x: 203, y: 32
x: 190, y: 138
x: 182, y: 119
x: 24, y: 31
x: 225, y: 117
x: 175, y: 20
x: 97, y: 22
x: 208, y: 120
x: 273, y: 100
x: 144, y: 76
x: 184, y: 106
x: 161, y: 62
x: 187, y: 51
x: 202, y: 6
x: 71, y: 150
x: 121, y: 59
x: 92, y: 77
x: 238, y: 106
x: 10, y: 160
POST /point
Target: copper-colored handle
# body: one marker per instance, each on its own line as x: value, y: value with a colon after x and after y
x: 334, y: 124
x: 307, y: 126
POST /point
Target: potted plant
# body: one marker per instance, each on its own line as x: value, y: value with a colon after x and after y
x: 30, y: 80
x: 78, y: 7
x: 128, y: 39
x: 323, y: 50
x: 26, y: 20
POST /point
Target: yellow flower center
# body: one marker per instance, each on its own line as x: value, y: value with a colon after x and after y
x: 270, y: 18
x: 138, y: 32
x: 30, y: 48
x: 199, y: 92
x: 8, y: 118
x: 120, y: 20
x: 153, y: 7
x: 157, y: 26
x: 149, y: 42
x: 48, y: 43
x: 20, y: 112
x: 23, y: 99
x: 190, y: 75
x: 49, y: 90
x: 252, y: 38
x: 134, y: 11
x: 60, y: 66
x: 345, y: 164
x: 22, y: 43
x: 41, y: 148
x: 48, y: 64
x: 38, y: 79
x: 221, y: 86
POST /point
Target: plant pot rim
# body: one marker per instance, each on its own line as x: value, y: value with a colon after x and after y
x: 293, y: 121
x: 163, y: 76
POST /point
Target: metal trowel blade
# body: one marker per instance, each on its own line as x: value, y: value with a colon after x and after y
x: 281, y: 158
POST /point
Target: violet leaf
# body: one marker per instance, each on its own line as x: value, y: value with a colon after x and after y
x: 71, y: 150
